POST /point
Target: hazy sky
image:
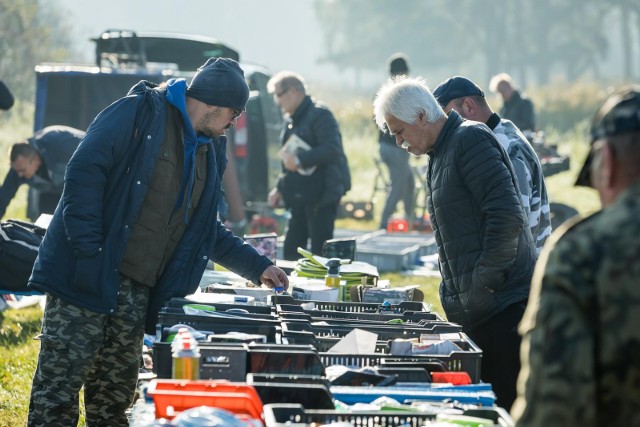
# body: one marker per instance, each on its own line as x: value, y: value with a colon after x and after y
x: 279, y: 34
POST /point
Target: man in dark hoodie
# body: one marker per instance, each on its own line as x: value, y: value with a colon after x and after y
x: 136, y: 225
x: 40, y: 162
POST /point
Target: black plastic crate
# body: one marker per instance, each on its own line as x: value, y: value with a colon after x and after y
x: 426, y: 326
x: 310, y: 391
x: 281, y: 415
x: 468, y: 360
x: 383, y: 361
x: 284, y: 359
x: 296, y: 311
x: 257, y: 309
x: 384, y: 331
x: 217, y: 325
x: 324, y: 344
x: 234, y: 361
x: 355, y: 307
x: 233, y: 313
x: 225, y: 362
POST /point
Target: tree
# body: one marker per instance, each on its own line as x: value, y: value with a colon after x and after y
x: 627, y: 10
x: 361, y: 34
x: 31, y: 32
x: 520, y: 37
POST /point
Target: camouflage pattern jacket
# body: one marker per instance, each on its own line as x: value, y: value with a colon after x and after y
x: 533, y: 190
x: 581, y: 346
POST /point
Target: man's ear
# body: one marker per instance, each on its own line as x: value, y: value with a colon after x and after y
x: 422, y: 117
x: 469, y: 108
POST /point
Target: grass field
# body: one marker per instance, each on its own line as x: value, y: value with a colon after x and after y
x: 18, y: 351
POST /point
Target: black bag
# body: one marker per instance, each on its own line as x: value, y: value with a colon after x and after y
x: 19, y: 243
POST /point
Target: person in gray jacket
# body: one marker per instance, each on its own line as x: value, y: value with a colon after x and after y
x: 485, y: 249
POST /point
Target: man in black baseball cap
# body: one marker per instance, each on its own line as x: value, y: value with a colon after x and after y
x: 454, y: 88
x: 580, y: 330
x: 463, y: 95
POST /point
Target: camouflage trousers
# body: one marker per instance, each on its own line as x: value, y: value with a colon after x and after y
x: 98, y: 351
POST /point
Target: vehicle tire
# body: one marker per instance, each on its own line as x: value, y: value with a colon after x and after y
x: 560, y: 213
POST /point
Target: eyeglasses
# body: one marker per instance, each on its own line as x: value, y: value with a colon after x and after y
x: 236, y: 113
x: 281, y: 93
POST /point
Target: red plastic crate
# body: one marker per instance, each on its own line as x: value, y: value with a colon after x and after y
x: 174, y: 396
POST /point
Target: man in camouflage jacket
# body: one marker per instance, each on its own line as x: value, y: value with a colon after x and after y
x: 581, y: 339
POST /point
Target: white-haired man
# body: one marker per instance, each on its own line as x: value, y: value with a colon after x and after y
x: 485, y: 248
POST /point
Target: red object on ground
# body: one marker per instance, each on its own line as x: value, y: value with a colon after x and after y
x: 397, y: 225
x: 455, y: 378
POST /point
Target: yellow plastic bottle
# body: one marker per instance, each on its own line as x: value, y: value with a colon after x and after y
x: 333, y: 278
x: 186, y: 359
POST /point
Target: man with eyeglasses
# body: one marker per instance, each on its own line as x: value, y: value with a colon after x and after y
x: 136, y: 226
x: 461, y: 94
x: 314, y: 177
x: 40, y: 162
x: 485, y: 250
x: 581, y: 340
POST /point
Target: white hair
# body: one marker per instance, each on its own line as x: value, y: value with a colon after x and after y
x: 405, y: 98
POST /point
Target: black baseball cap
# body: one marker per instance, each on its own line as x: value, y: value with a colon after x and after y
x: 455, y: 87
x: 619, y: 114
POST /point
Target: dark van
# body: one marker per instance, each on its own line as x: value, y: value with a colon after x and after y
x: 72, y: 95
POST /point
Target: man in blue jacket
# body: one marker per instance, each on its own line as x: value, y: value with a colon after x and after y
x: 136, y: 225
x: 485, y: 248
x: 40, y: 162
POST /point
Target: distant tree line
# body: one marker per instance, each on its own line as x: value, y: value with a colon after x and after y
x: 532, y: 39
x: 31, y: 32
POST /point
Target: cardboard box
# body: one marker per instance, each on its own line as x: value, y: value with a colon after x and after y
x: 311, y: 289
